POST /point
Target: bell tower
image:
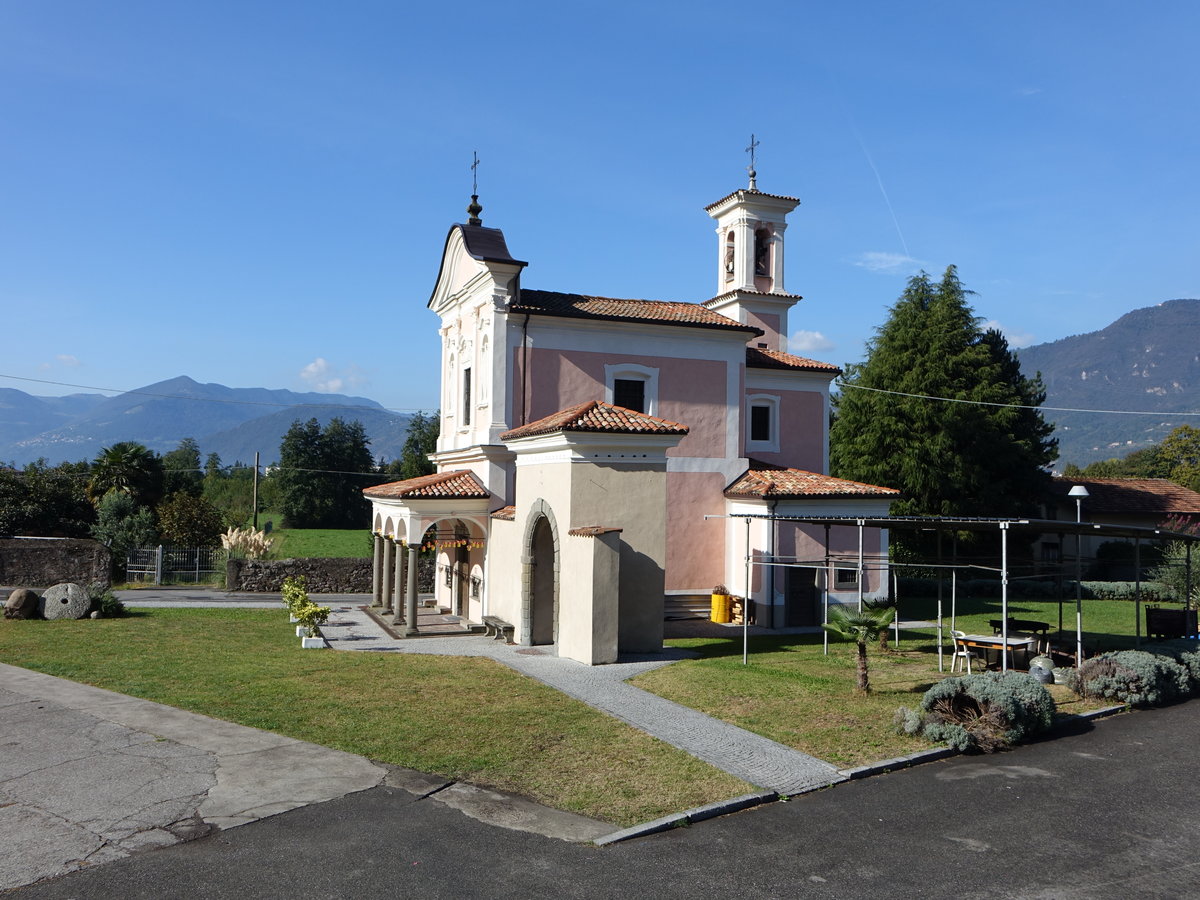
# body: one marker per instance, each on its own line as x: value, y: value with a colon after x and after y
x: 750, y: 228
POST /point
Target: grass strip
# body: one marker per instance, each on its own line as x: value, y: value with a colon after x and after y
x: 463, y: 718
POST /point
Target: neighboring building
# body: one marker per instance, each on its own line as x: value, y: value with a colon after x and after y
x: 1139, y: 502
x: 585, y: 439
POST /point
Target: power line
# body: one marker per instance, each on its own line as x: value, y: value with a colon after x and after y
x: 1117, y: 412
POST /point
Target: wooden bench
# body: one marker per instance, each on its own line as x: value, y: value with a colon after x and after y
x: 498, y: 629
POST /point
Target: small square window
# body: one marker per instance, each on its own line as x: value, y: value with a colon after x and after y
x: 846, y: 577
x: 630, y: 393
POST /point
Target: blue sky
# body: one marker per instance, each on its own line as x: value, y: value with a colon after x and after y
x: 257, y: 193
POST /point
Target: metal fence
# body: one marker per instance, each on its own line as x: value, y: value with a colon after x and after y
x: 174, y: 565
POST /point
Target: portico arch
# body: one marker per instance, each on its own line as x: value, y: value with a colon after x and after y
x: 539, y: 576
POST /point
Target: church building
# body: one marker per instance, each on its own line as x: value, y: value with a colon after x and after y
x: 593, y: 451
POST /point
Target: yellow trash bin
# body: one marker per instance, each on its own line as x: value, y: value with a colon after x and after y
x: 722, y: 608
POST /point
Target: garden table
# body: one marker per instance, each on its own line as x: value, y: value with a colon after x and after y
x: 987, y: 642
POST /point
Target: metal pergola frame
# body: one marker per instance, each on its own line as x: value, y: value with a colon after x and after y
x: 940, y: 524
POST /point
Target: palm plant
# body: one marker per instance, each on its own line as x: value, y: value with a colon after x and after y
x: 129, y: 468
x: 862, y: 627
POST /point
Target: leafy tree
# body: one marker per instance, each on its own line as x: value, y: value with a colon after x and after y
x: 181, y: 469
x: 321, y: 474
x: 190, y: 521
x: 212, y: 465
x: 45, y: 500
x: 862, y: 627
x: 130, y: 468
x: 982, y: 456
x: 122, y: 525
x: 1176, y: 458
x: 420, y: 442
x: 231, y: 491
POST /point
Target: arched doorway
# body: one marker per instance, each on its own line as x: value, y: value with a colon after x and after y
x: 540, y: 603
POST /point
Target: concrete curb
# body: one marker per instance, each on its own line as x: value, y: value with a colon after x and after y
x: 899, y: 762
x: 1101, y: 713
x: 687, y: 817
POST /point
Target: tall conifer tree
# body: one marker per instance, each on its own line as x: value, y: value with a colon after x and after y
x: 948, y: 458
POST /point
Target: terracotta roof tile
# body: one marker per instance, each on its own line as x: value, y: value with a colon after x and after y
x: 757, y: 358
x: 596, y: 416
x: 591, y: 530
x: 580, y: 306
x: 460, y: 484
x: 753, y: 192
x: 507, y: 513
x: 1152, y: 496
x: 775, y: 294
x: 767, y: 480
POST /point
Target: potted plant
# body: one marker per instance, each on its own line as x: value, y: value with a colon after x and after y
x: 295, y: 595
x: 311, y: 617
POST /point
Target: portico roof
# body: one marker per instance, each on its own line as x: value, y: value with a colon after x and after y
x: 460, y: 484
x: 759, y: 358
x: 767, y: 481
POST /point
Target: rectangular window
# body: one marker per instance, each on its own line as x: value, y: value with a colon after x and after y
x: 1051, y: 552
x: 846, y: 577
x: 629, y: 393
x: 760, y: 423
x: 466, y: 410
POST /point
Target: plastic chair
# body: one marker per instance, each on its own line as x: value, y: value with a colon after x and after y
x: 962, y: 655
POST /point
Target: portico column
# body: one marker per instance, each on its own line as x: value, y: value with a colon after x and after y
x: 410, y: 624
x: 398, y: 589
x: 376, y: 568
x: 385, y: 593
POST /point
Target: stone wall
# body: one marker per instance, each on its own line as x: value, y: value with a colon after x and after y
x: 323, y: 576
x: 42, y: 562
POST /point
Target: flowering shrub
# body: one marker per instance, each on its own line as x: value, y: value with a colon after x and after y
x: 246, y: 542
x: 985, y: 712
x: 1132, y: 676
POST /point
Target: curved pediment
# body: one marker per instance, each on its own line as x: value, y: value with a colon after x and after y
x: 473, y: 253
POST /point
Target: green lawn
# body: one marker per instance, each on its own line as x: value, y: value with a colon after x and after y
x: 791, y: 692
x: 1107, y: 624
x: 462, y: 718
x: 304, y: 543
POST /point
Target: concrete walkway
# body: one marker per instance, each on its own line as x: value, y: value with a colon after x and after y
x: 749, y: 756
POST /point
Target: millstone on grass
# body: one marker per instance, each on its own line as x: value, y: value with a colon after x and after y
x: 66, y: 601
x: 22, y: 604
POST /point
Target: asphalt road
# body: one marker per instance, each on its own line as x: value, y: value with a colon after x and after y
x: 1108, y: 811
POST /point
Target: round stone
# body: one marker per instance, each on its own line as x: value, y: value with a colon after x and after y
x: 66, y: 601
x: 22, y: 604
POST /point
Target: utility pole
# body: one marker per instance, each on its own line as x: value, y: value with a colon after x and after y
x: 255, y: 501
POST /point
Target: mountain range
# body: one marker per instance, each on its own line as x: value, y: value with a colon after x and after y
x: 232, y: 422
x: 1146, y: 361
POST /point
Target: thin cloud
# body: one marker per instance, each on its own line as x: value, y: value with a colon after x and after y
x: 68, y: 360
x: 876, y: 261
x: 1016, y: 339
x: 324, y: 378
x: 809, y: 342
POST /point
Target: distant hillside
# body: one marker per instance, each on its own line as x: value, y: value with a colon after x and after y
x: 1148, y: 359
x: 233, y: 422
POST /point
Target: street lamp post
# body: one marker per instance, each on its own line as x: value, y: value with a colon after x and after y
x: 1078, y: 492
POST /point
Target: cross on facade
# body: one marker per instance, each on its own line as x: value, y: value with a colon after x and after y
x: 474, y: 173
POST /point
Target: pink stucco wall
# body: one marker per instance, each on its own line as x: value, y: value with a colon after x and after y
x: 807, y: 542
x: 802, y: 430
x: 769, y: 323
x: 690, y: 391
x: 695, y: 547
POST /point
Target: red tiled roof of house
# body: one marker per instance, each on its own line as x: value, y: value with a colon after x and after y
x: 460, y: 484
x: 596, y: 416
x: 1151, y: 496
x: 757, y: 358
x: 580, y: 306
x: 767, y: 480
x: 507, y: 513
